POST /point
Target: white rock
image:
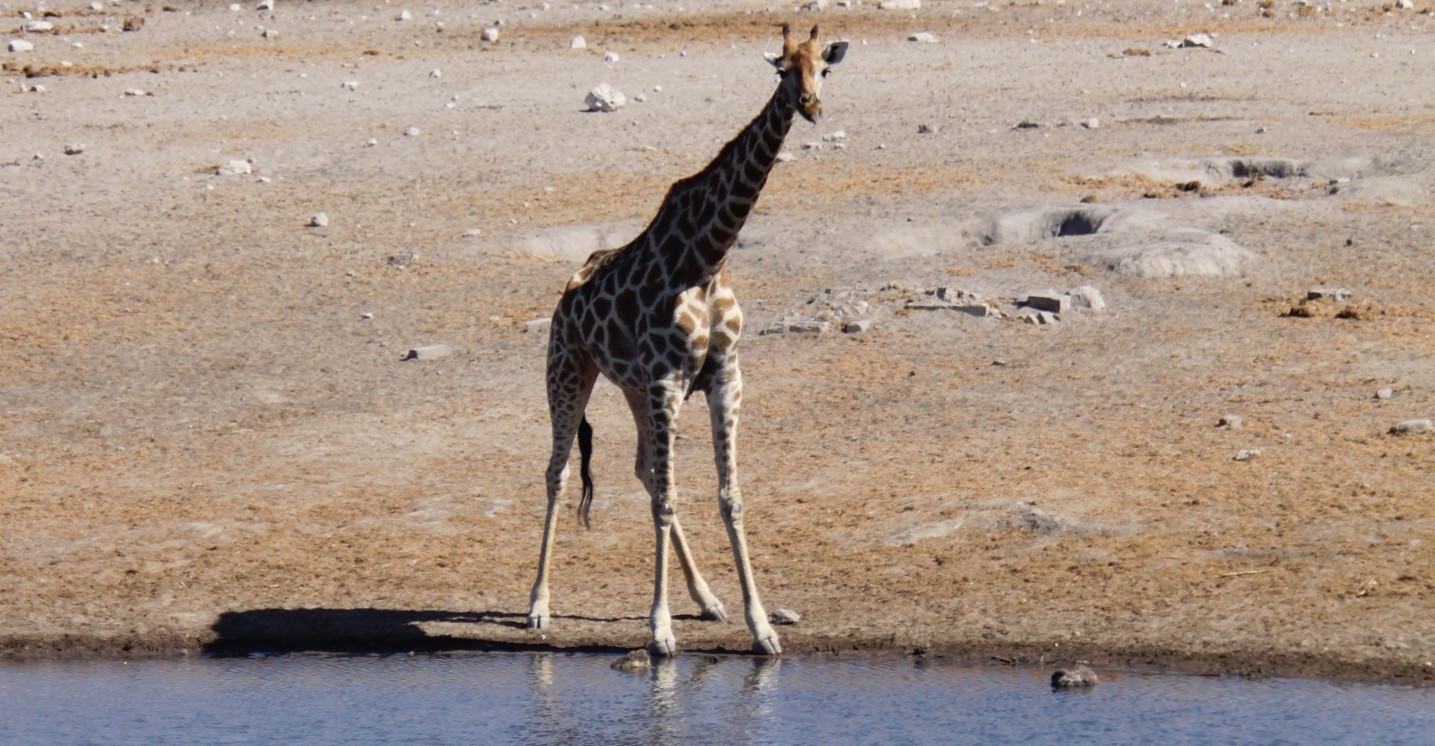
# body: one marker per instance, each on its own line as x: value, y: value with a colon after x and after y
x: 817, y: 5
x: 74, y: 148
x: 350, y: 85
x: 1246, y: 454
x: 1413, y: 427
x: 473, y: 232
x: 1321, y: 292
x: 435, y: 73
x: 856, y: 326
x: 578, y: 42
x: 411, y: 132
x: 900, y: 5
x: 784, y: 616
x: 1385, y: 393
x: 428, y: 352
x: 97, y: 6
x: 236, y: 7
x: 1231, y: 421
x: 1198, y: 40
x: 38, y: 27
x: 610, y: 56
x: 20, y: 45
x: 924, y: 37
x: 319, y: 220
x: 136, y: 92
x: 1088, y: 297
x: 490, y: 34
x: 785, y: 156
x: 837, y: 136
x: 371, y: 142
x: 537, y: 326
x: 605, y: 98
x: 1405, y: 4
x: 405, y: 15
x: 235, y: 168
x: 265, y: 5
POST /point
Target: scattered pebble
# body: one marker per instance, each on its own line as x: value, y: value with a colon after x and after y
x: 1087, y: 297
x: 20, y: 45
x: 1320, y: 292
x: 784, y: 616
x: 1202, y: 41
x: 1413, y: 427
x: 350, y: 85
x: 578, y: 42
x: 1076, y: 677
x: 856, y: 326
x: 235, y: 168
x: 38, y: 27
x: 428, y: 352
x: 1385, y: 393
x: 636, y: 660
x: 490, y: 34
x: 1231, y: 421
x: 610, y: 56
x: 900, y: 5
x: 265, y: 5
x: 473, y: 232
x: 1246, y: 454
x: 137, y: 92
x: 319, y: 220
x: 435, y: 73
x: 785, y: 156
x: 1048, y: 300
x: 405, y: 15
x: 922, y: 129
x: 924, y: 37
x: 74, y: 148
x: 411, y: 132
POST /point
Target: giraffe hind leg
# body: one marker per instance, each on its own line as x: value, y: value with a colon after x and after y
x: 570, y: 383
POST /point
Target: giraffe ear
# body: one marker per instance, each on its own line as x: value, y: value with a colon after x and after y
x: 834, y: 53
x: 774, y: 58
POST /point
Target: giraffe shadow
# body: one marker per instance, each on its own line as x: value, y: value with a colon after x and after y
x: 363, y: 631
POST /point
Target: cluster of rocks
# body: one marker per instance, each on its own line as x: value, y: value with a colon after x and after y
x: 852, y: 310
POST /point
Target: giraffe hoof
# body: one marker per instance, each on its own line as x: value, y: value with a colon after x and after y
x: 536, y: 621
x: 767, y: 645
x: 663, y: 648
x: 715, y: 613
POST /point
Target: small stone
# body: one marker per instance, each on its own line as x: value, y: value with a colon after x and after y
x: 20, y: 45
x: 537, y: 326
x: 428, y: 352
x: 350, y: 85
x: 490, y: 34
x: 74, y: 148
x: 924, y: 37
x: 837, y: 136
x: 319, y: 220
x: 97, y: 6
x: 1076, y: 677
x: 38, y: 27
x: 1385, y: 393
x: 473, y: 232
x: 784, y: 616
x: 412, y: 132
x: 979, y: 310
x: 1405, y: 4
x: 235, y: 168
x: 265, y: 5
x: 817, y: 5
x: 402, y: 260
x: 786, y: 156
x: 1087, y: 297
x: 856, y: 326
x: 812, y: 145
x: 1413, y: 427
x: 1320, y: 292
x: 1202, y: 41
x: 1231, y: 421
x: 636, y: 660
x: 578, y: 42
x: 605, y: 98
x: 899, y: 5
x: 797, y: 327
x: 405, y: 15
x: 1092, y: 123
x: 922, y: 129
x: 435, y: 73
x: 367, y: 315
x: 137, y: 92
x: 1246, y: 454
x: 1049, y: 300
x: 610, y: 56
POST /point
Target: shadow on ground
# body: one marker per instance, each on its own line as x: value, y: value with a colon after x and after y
x: 368, y: 631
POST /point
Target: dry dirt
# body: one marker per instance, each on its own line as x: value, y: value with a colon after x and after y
x: 208, y: 439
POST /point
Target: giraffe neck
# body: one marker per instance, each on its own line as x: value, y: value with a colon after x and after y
x: 702, y: 215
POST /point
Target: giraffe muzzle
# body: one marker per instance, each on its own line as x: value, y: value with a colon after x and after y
x: 809, y: 106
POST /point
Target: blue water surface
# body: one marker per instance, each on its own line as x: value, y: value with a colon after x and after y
x: 556, y: 698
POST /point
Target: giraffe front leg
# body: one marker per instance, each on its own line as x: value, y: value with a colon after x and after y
x: 723, y: 404
x: 711, y: 608
x: 663, y: 405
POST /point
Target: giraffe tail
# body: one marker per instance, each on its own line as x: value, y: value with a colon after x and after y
x: 585, y: 455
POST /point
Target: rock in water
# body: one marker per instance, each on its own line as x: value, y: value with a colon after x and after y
x: 636, y: 660
x: 1076, y: 677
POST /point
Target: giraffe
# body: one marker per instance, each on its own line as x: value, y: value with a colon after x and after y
x: 658, y: 318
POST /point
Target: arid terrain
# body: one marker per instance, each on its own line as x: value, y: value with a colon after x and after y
x: 210, y: 440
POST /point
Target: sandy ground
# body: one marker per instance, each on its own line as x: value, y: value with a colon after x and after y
x: 209, y: 441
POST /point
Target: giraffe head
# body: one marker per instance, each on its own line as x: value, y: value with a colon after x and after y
x: 802, y: 66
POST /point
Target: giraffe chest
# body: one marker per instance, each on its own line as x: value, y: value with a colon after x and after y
x: 636, y: 339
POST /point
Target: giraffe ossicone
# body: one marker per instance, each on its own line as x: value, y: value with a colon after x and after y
x: 658, y: 319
